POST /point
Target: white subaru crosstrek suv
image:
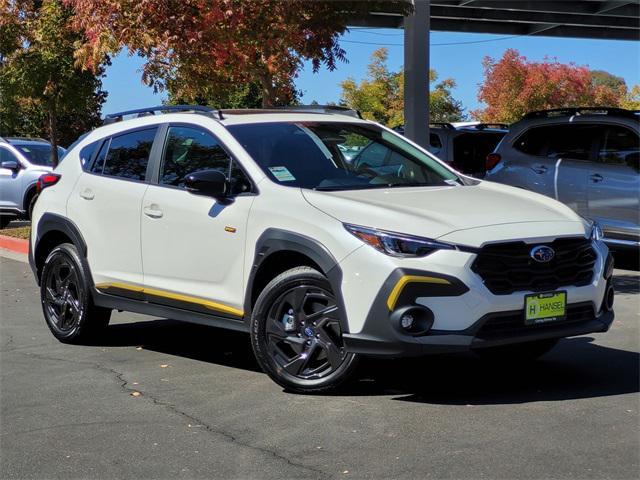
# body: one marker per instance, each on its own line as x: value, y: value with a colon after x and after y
x: 255, y: 221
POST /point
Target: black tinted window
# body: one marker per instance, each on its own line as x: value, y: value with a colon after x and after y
x: 129, y: 154
x: 87, y: 153
x: 434, y: 141
x: 98, y: 163
x: 558, y: 141
x: 7, y: 156
x: 189, y: 150
x: 619, y: 146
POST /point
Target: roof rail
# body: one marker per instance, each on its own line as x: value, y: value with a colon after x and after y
x: 336, y: 109
x: 143, y: 112
x: 570, y: 111
x: 446, y: 125
x: 26, y: 139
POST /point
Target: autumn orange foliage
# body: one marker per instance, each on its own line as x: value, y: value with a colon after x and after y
x: 514, y: 86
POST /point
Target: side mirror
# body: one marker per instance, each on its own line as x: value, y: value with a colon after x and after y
x: 10, y: 165
x: 210, y: 183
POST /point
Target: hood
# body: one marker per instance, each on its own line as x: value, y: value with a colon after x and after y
x: 436, y: 211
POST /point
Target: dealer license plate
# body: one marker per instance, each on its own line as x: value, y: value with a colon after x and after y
x: 544, y: 307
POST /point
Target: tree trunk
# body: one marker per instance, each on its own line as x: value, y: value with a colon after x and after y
x: 53, y: 132
x: 268, y: 91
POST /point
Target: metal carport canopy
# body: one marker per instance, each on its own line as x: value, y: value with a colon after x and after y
x: 595, y: 19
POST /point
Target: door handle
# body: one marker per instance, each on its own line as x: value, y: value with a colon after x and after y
x: 152, y: 211
x: 540, y: 169
x: 596, y: 177
x: 87, y: 194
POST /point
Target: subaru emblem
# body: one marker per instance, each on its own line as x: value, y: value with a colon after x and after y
x: 542, y: 253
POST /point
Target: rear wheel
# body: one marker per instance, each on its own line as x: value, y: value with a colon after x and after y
x: 66, y: 300
x: 296, y: 333
x: 31, y: 204
x: 4, y: 221
x: 520, y: 352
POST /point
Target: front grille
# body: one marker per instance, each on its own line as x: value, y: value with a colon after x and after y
x: 503, y: 325
x: 508, y: 267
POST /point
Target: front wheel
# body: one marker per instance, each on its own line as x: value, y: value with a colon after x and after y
x: 296, y: 333
x: 519, y: 352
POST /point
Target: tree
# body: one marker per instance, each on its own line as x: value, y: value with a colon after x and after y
x: 631, y: 100
x: 42, y: 93
x: 380, y: 96
x: 196, y: 46
x: 514, y: 86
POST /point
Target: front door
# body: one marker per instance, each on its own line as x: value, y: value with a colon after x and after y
x: 614, y: 183
x: 10, y: 182
x: 193, y: 246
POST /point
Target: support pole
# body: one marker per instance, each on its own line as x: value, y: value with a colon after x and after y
x: 416, y: 74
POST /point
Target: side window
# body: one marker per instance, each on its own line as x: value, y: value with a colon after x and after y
x: 435, y: 143
x: 86, y: 153
x: 571, y: 142
x: 98, y: 164
x: 189, y: 150
x: 128, y: 155
x: 7, y: 156
x: 619, y: 146
x: 533, y: 141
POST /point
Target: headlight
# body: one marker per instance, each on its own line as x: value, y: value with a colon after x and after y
x: 596, y: 232
x: 397, y: 244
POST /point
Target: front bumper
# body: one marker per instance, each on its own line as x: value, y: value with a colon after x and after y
x: 390, y: 343
x: 466, y: 315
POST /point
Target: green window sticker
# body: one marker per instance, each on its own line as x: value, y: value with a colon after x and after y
x: 282, y: 174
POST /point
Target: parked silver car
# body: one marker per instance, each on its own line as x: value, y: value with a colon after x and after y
x: 22, y: 161
x: 588, y: 158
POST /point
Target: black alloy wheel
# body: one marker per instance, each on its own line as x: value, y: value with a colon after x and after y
x: 66, y: 301
x: 297, y: 335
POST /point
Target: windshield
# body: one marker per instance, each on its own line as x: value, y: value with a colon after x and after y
x: 39, y: 153
x: 338, y: 156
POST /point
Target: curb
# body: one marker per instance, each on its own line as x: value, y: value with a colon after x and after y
x: 17, y: 245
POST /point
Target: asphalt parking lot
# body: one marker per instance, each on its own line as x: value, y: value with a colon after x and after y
x: 159, y: 399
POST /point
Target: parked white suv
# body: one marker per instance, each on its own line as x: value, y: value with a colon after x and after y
x: 254, y: 221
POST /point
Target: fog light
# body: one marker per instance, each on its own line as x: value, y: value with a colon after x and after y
x: 412, y: 320
x: 406, y: 321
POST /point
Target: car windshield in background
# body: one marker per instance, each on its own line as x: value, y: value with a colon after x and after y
x: 338, y: 156
x: 39, y: 153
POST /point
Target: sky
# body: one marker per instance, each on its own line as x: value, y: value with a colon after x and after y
x: 452, y: 56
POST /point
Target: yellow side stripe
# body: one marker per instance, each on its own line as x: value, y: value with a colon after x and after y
x: 219, y: 307
x: 397, y: 289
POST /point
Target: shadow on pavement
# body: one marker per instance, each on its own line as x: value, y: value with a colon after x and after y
x: 576, y: 368
x: 626, y: 283
x: 627, y: 259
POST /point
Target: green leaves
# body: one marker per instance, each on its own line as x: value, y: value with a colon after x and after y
x: 380, y: 96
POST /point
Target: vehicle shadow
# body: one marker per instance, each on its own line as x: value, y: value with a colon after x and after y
x: 627, y: 259
x: 626, y: 284
x: 576, y: 368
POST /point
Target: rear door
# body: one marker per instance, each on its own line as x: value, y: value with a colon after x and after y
x: 106, y: 206
x: 573, y: 148
x: 614, y: 182
x: 529, y: 166
x: 193, y: 246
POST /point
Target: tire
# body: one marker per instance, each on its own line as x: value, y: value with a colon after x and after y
x: 66, y: 297
x: 308, y: 355
x: 521, y: 352
x: 4, y: 221
x: 30, y: 205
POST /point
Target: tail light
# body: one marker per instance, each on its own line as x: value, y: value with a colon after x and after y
x: 47, y: 180
x: 492, y: 160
